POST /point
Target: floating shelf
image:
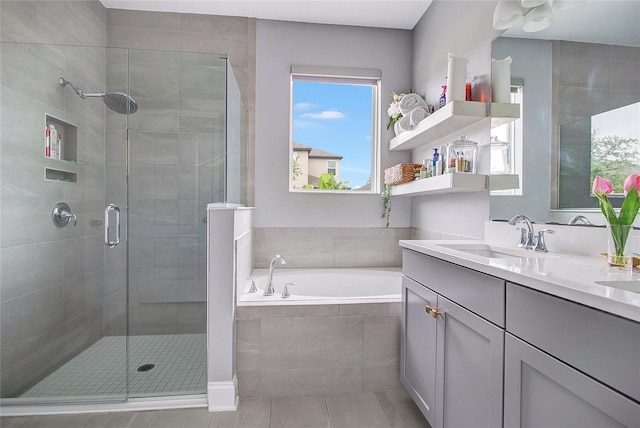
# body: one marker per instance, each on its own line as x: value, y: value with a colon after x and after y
x: 502, y: 113
x: 453, y: 117
x: 446, y: 183
x: 504, y: 181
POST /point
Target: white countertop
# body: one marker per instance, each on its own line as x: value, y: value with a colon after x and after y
x: 571, y: 277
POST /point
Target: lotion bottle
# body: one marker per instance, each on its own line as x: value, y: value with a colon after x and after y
x: 53, y: 138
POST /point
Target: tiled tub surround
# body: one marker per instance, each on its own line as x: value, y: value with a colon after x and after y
x: 318, y: 349
x: 322, y: 348
x: 306, y: 247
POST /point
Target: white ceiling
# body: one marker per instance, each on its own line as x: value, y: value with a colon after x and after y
x: 401, y: 14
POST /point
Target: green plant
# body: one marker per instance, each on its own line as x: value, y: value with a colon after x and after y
x: 386, y: 203
x: 328, y: 182
x: 622, y: 223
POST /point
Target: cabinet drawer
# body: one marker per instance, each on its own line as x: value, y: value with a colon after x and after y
x: 601, y: 345
x: 480, y: 293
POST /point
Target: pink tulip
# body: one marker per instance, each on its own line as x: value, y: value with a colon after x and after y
x: 602, y: 186
x: 632, y: 181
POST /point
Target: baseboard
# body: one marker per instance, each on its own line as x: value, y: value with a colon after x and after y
x: 223, y: 396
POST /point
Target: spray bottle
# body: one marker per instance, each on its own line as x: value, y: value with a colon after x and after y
x: 435, y: 163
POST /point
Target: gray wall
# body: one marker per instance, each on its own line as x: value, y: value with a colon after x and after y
x: 462, y: 28
x: 283, y: 44
x: 51, y: 278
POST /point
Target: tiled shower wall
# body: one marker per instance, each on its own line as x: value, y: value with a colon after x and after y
x: 588, y: 79
x: 176, y: 159
x: 51, y: 278
x: 208, y: 34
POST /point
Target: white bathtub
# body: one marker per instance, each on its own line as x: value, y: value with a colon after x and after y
x: 315, y: 286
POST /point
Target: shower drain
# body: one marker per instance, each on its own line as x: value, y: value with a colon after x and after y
x: 146, y: 367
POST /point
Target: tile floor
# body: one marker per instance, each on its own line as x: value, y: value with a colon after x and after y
x: 350, y: 410
x: 98, y: 372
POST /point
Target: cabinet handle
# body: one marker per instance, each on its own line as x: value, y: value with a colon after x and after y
x: 434, y: 313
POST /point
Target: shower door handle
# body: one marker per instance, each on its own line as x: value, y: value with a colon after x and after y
x: 107, y: 210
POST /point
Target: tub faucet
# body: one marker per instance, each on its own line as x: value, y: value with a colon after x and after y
x: 527, y: 239
x: 579, y: 219
x: 268, y: 290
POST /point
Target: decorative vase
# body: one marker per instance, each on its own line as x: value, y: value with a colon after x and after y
x: 396, y: 129
x: 619, y: 252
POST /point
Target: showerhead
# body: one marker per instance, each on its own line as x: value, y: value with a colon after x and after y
x: 116, y: 101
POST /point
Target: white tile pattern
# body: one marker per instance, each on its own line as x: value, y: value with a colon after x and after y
x: 98, y: 372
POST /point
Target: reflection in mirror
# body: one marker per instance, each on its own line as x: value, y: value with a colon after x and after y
x: 605, y: 144
x: 585, y: 64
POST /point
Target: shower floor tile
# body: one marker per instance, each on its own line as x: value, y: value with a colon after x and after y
x: 179, y: 368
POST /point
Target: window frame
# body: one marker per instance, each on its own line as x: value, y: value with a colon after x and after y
x: 515, y: 134
x: 361, y: 76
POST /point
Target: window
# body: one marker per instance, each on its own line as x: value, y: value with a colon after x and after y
x: 513, y: 134
x: 332, y: 167
x: 334, y: 130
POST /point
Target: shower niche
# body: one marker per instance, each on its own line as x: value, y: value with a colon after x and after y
x: 61, y: 139
x: 60, y: 143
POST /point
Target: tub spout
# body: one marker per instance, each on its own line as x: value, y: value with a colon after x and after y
x: 268, y: 290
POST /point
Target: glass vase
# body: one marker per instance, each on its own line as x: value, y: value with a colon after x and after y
x: 619, y: 252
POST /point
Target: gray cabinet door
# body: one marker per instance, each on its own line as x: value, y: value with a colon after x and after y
x: 418, y: 346
x: 469, y: 370
x: 541, y: 391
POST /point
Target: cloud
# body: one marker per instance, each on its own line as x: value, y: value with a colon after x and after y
x: 305, y: 124
x: 325, y: 115
x: 304, y: 106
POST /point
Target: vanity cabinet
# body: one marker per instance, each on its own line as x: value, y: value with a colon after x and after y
x: 451, y: 354
x: 568, y: 364
x: 478, y: 351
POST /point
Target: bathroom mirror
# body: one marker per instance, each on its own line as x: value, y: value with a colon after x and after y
x: 587, y: 63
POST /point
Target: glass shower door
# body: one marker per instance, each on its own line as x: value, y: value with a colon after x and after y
x: 62, y: 290
x: 176, y: 167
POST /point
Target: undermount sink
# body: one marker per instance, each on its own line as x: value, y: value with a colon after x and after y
x: 494, y: 252
x: 633, y: 286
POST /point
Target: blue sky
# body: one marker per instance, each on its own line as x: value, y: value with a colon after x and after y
x: 336, y: 118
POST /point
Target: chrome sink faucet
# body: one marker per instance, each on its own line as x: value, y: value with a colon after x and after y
x: 268, y: 291
x: 526, y: 238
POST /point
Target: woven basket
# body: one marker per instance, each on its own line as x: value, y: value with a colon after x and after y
x: 401, y: 173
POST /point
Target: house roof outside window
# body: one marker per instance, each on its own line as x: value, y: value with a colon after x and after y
x: 315, y: 153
